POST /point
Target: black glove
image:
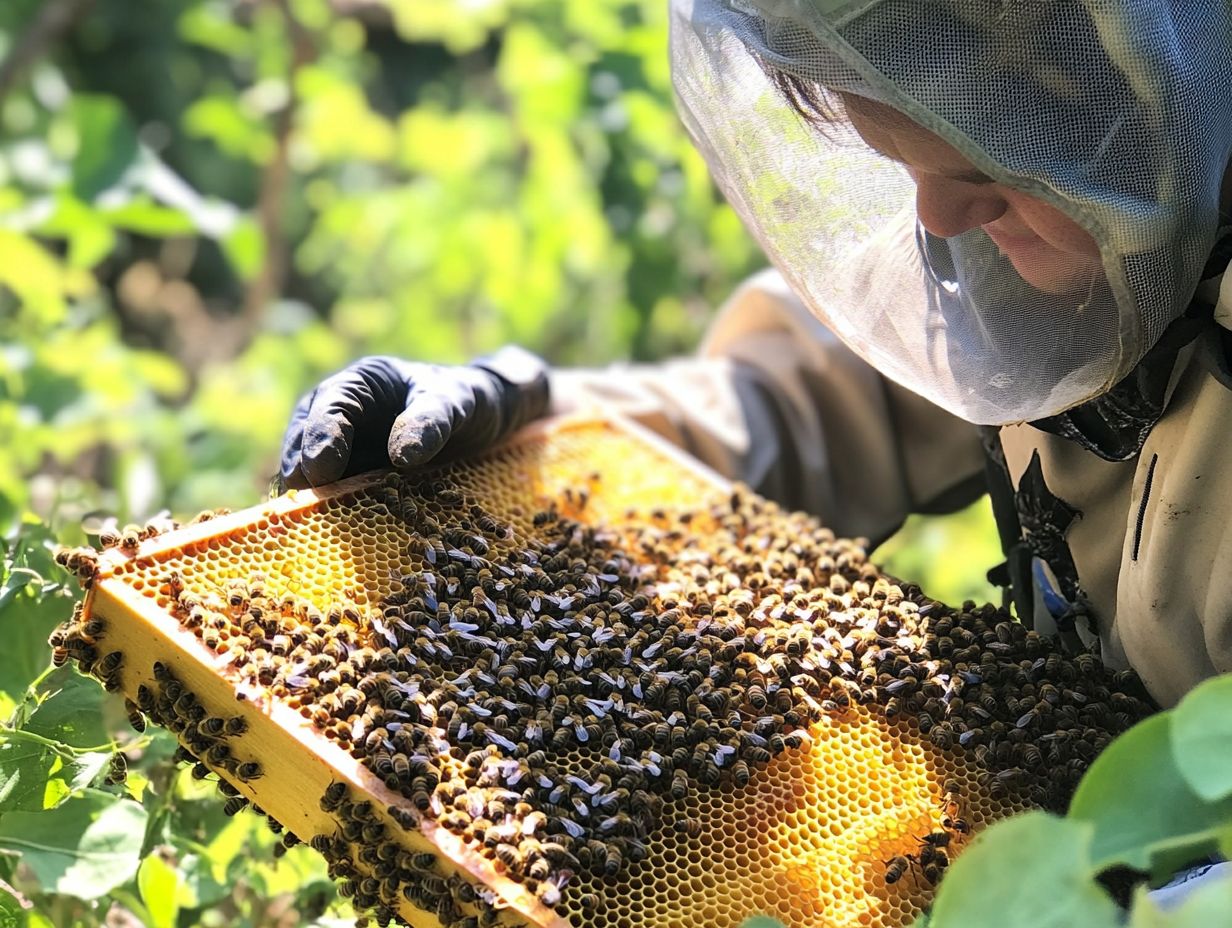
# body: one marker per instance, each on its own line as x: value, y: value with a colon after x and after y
x: 382, y: 411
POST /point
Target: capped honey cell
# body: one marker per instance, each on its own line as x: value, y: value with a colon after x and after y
x: 581, y: 681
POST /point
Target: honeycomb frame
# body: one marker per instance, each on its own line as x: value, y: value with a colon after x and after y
x: 848, y: 877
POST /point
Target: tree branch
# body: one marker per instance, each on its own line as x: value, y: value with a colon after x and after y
x: 276, y: 177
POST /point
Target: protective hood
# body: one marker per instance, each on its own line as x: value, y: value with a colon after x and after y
x: 1117, y: 114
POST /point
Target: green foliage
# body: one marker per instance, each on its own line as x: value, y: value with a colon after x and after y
x: 1133, y: 809
x: 1202, y: 740
x: 1151, y: 814
x: 74, y: 846
x: 986, y: 885
x: 84, y: 847
x: 949, y: 556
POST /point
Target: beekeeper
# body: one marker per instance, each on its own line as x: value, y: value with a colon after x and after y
x: 997, y: 233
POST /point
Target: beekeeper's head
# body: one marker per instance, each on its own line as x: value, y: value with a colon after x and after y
x: 1061, y: 161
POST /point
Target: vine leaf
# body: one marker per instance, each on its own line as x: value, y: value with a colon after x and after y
x: 24, y: 771
x: 106, y: 144
x: 84, y: 847
x: 1141, y: 808
x: 1202, y: 738
x: 161, y: 889
x: 1030, y: 871
x: 72, y: 712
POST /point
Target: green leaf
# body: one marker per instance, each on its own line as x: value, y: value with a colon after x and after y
x: 761, y: 921
x: 90, y: 239
x: 1225, y: 843
x: 106, y: 144
x: 72, y: 713
x: 83, y: 848
x: 1144, y: 814
x: 209, y: 25
x: 234, y: 128
x: 1207, y: 905
x: 1202, y: 738
x: 36, y: 775
x: 159, y: 884
x: 87, y: 767
x: 55, y: 792
x: 34, y: 275
x: 136, y: 783
x: 146, y: 218
x: 1030, y: 871
x: 15, y: 582
x: 24, y: 771
x: 27, y: 618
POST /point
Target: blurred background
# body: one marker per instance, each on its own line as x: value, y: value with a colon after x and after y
x: 208, y: 205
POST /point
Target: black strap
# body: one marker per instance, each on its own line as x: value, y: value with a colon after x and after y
x: 1013, y: 575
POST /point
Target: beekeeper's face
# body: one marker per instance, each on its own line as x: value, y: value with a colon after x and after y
x: 1049, y: 250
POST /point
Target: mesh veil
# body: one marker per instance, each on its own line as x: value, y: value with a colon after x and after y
x: 1118, y: 114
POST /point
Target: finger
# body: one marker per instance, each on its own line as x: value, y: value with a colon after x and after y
x: 326, y: 448
x: 353, y: 408
x: 421, y: 432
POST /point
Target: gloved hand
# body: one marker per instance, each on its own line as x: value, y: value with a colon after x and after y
x: 382, y: 411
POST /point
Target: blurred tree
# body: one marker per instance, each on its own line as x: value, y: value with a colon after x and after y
x: 258, y: 191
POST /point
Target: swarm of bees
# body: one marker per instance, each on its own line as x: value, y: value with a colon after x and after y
x: 557, y: 690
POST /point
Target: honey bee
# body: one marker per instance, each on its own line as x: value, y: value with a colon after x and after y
x: 81, y: 561
x: 135, y: 716
x: 117, y: 770
x: 691, y: 827
x: 936, y: 839
x: 249, y: 770
x: 110, y: 663
x: 212, y: 726
x: 549, y: 894
x: 896, y: 868
x: 539, y: 869
x: 931, y: 856
x: 957, y: 824
x: 740, y: 773
x: 130, y: 539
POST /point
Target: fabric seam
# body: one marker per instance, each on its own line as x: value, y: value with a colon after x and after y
x: 1142, y: 504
